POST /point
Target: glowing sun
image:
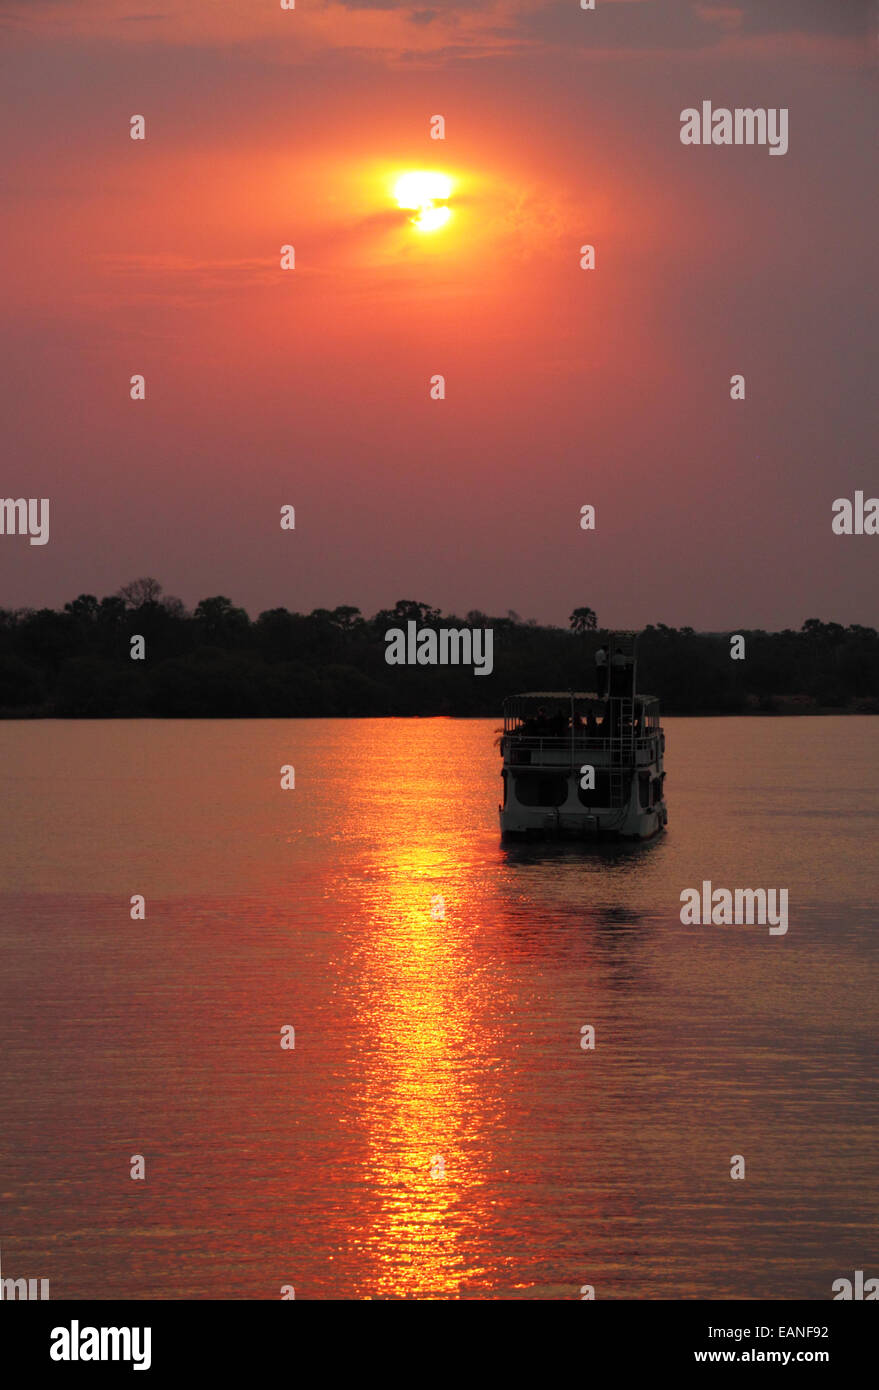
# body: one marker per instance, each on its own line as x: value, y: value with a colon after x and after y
x: 425, y: 193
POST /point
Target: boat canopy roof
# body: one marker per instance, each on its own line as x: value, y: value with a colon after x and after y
x: 533, y: 699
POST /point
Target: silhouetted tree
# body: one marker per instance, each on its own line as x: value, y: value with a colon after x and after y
x: 583, y: 620
x: 219, y: 621
x: 140, y: 591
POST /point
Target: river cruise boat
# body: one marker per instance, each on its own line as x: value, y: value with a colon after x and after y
x: 581, y: 764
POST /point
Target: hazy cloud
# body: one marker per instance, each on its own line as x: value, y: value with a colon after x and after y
x: 691, y: 24
x: 836, y: 18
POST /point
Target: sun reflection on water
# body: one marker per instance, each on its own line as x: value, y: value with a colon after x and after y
x: 422, y: 1098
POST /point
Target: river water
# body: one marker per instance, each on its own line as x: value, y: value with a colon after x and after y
x: 437, y: 1131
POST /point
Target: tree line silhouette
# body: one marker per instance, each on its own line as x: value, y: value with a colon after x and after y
x: 217, y: 662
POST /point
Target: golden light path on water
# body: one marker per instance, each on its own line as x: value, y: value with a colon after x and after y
x: 425, y: 1093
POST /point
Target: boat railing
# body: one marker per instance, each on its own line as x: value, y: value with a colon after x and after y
x: 643, y: 743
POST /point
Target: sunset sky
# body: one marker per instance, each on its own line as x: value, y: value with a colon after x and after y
x: 563, y: 387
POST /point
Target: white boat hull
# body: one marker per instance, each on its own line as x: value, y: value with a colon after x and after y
x: 557, y: 823
x: 573, y: 820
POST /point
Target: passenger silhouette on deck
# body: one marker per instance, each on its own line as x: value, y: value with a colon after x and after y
x: 601, y: 672
x: 618, y: 665
x: 536, y: 725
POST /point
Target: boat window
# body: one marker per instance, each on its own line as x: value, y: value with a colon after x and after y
x: 599, y: 795
x: 543, y: 789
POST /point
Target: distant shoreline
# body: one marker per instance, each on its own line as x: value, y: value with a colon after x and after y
x: 789, y: 711
x: 138, y: 654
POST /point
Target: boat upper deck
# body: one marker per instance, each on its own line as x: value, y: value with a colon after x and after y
x: 549, y: 728
x: 574, y: 706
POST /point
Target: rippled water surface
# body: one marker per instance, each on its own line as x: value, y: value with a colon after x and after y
x: 438, y: 1131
